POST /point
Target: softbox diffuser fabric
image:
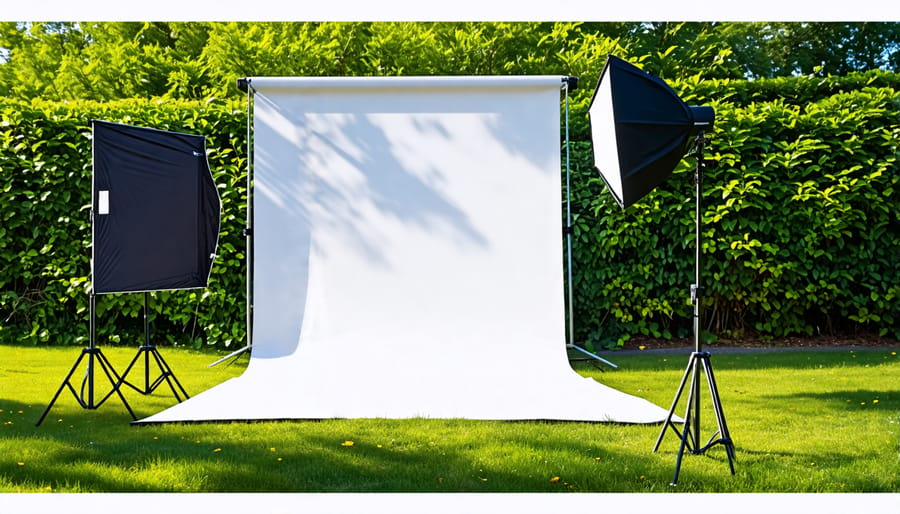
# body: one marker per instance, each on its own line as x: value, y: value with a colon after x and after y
x: 408, y: 257
x: 156, y: 210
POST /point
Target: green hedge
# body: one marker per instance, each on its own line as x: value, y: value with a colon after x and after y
x: 801, y: 228
x: 742, y: 93
x: 801, y: 222
x: 793, y: 90
x: 45, y: 157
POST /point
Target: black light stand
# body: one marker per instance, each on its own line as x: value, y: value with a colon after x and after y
x: 94, y: 357
x: 699, y: 361
x: 148, y: 350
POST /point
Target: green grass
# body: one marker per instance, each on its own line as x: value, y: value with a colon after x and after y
x: 805, y: 421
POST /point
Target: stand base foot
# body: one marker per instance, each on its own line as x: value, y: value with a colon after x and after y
x: 87, y: 400
x: 690, y: 434
x: 166, y: 374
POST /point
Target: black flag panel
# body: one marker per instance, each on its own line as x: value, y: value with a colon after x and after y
x: 156, y: 210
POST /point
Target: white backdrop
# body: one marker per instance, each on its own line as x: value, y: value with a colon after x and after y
x: 408, y: 256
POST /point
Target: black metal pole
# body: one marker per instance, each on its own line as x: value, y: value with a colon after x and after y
x: 570, y: 83
x: 696, y: 289
x: 146, y: 341
x: 244, y: 84
x: 92, y: 344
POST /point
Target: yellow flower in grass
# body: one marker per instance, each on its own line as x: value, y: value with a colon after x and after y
x: 217, y: 450
x: 554, y: 480
x: 347, y: 443
x: 20, y: 464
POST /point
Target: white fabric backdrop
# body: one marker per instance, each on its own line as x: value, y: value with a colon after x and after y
x: 408, y: 257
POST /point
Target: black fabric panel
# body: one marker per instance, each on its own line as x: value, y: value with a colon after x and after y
x: 162, y: 227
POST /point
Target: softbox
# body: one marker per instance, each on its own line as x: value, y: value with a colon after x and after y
x: 156, y: 216
x: 640, y: 129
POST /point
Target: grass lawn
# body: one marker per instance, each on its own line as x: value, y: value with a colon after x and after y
x: 802, y: 421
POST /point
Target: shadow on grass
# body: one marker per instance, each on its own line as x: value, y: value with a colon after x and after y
x: 887, y: 400
x: 97, y: 451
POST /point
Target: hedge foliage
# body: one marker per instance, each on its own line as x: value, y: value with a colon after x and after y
x: 801, y: 227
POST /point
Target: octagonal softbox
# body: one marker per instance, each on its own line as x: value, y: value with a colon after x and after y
x: 640, y: 129
x: 155, y: 210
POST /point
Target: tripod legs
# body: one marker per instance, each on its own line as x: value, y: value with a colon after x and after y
x: 690, y: 434
x: 166, y: 374
x: 94, y: 356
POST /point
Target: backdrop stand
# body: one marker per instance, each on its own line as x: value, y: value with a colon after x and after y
x: 147, y: 350
x: 244, y: 85
x: 699, y: 361
x: 94, y: 357
x: 572, y: 83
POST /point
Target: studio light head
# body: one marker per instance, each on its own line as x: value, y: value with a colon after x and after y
x: 640, y: 130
